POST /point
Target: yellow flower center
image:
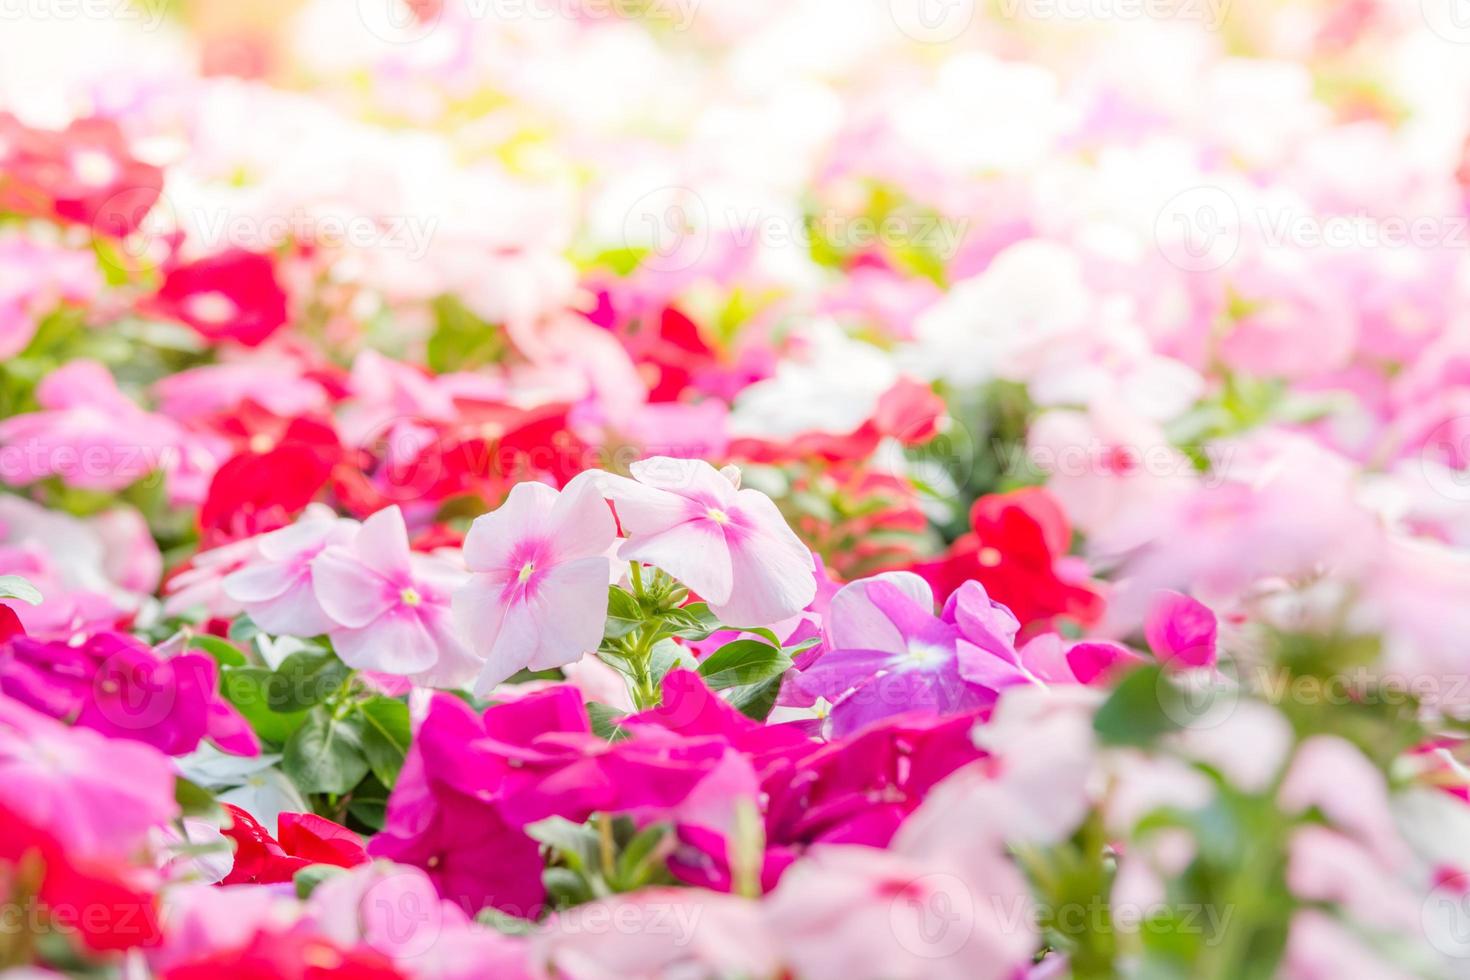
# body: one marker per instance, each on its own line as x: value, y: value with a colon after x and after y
x: 527, y: 570
x: 718, y: 516
x: 410, y: 597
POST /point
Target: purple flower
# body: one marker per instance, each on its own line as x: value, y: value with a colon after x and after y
x: 888, y: 653
x: 122, y: 688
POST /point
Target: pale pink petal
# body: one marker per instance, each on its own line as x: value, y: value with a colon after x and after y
x: 478, y: 611
x: 397, y: 643
x: 511, y: 650
x: 570, y: 609
x: 694, y: 552
x: 693, y: 478
x: 526, y: 513
x: 773, y: 575
x: 350, y: 592
x: 457, y: 665
x: 294, y: 613
x: 382, y: 542
x: 260, y: 582
x: 647, y: 510
x: 581, y: 523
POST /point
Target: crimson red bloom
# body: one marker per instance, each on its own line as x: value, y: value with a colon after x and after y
x: 232, y: 295
x: 10, y: 624
x: 306, y: 839
x: 83, y: 174
x: 287, y: 956
x: 70, y: 893
x: 257, y: 492
x: 1014, y: 549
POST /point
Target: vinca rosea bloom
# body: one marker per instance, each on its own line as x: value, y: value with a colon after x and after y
x: 116, y: 685
x: 730, y: 545
x: 389, y: 606
x: 888, y: 653
x: 787, y: 489
x: 276, y: 588
x: 537, y: 595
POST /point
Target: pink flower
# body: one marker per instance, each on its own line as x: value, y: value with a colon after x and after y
x: 100, y: 796
x: 844, y: 911
x: 88, y: 434
x: 1181, y: 630
x: 34, y: 278
x: 276, y: 588
x: 730, y: 546
x: 390, y: 607
x: 538, y: 595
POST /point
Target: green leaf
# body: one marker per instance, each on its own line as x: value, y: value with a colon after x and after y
x: 624, y: 615
x: 566, y: 888
x: 504, y: 923
x: 309, y: 877
x: 225, y: 654
x: 243, y: 631
x: 368, y: 806
x: 1134, y: 714
x: 461, y: 341
x: 576, y: 843
x: 15, y: 587
x: 642, y: 858
x: 245, y: 688
x: 325, y: 754
x: 605, y: 721
x: 691, y: 622
x: 385, y: 737
x: 741, y: 663
x: 304, y: 679
x: 755, y: 700
x: 665, y: 656
x: 195, y: 801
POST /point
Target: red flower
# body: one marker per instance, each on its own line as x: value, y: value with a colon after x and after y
x: 287, y: 956
x: 1014, y: 549
x: 908, y: 412
x: 83, y: 174
x: 93, y: 899
x: 257, y: 492
x: 232, y: 295
x: 306, y: 839
x: 10, y: 625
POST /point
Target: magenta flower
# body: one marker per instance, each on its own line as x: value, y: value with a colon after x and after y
x: 730, y: 546
x: 538, y: 595
x: 389, y: 606
x: 276, y: 589
x: 1181, y: 630
x: 120, y: 687
x: 888, y: 653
